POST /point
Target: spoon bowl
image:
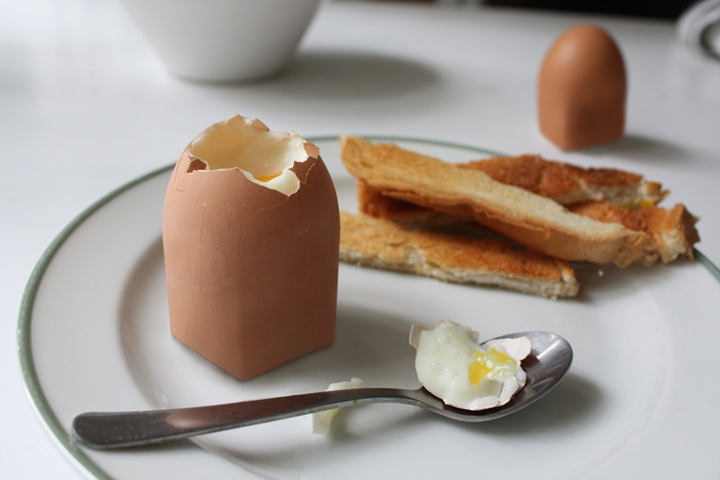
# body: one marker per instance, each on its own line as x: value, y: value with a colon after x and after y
x: 546, y: 365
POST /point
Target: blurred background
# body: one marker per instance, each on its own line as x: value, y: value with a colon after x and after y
x: 669, y: 9
x: 653, y: 9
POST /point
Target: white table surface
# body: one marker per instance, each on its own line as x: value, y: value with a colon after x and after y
x: 86, y: 107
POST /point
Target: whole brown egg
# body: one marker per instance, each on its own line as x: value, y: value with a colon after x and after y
x: 582, y: 89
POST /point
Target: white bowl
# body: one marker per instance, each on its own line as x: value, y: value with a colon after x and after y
x: 223, y: 40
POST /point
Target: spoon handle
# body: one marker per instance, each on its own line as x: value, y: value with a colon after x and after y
x: 130, y: 429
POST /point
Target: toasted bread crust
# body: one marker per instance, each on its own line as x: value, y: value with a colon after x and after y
x: 535, y: 221
x: 380, y: 243
x: 372, y: 202
x: 672, y: 231
x: 568, y: 184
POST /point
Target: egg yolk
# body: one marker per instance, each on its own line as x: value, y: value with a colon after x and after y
x: 647, y: 203
x: 266, y: 178
x: 490, y: 364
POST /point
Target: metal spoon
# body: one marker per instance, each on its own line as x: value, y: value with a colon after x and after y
x: 546, y: 365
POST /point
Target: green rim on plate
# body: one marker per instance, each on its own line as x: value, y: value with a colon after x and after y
x: 27, y: 364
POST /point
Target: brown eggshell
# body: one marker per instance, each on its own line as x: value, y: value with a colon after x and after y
x: 251, y: 273
x: 582, y: 89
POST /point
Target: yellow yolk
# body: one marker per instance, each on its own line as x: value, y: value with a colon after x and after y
x: 646, y: 203
x: 490, y: 364
x: 267, y: 178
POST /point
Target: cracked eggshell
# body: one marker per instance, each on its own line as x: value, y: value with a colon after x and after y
x: 251, y: 271
x: 582, y: 89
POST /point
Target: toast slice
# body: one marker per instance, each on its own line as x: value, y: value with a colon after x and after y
x: 672, y: 230
x: 372, y: 202
x: 532, y: 220
x: 568, y: 184
x: 379, y: 243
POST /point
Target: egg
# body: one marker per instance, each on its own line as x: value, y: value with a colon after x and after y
x: 251, y: 233
x: 582, y: 89
x: 451, y: 365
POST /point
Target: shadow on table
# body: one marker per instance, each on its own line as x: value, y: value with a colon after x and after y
x: 352, y: 76
x: 335, y: 79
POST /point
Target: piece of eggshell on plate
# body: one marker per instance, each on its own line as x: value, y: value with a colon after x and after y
x: 582, y: 89
x: 251, y: 234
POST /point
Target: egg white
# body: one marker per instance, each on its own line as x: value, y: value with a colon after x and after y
x: 322, y: 420
x: 443, y: 365
x: 250, y: 146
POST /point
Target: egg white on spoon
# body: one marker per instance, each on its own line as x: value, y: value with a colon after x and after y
x: 451, y: 365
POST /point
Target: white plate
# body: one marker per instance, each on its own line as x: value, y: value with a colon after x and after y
x: 639, y: 401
